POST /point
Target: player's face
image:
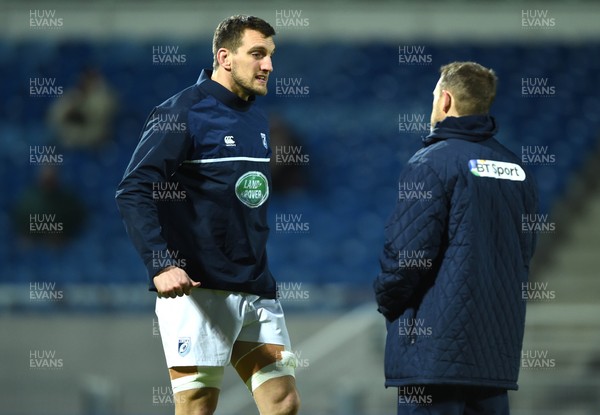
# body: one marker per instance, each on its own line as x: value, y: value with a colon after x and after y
x: 251, y: 64
x: 436, y: 112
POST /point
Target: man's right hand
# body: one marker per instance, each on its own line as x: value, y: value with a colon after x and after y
x: 174, y: 282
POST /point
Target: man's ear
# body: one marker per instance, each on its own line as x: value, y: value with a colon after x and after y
x: 224, y: 58
x: 447, y: 100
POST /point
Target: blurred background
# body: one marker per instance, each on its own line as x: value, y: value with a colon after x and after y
x: 349, y: 101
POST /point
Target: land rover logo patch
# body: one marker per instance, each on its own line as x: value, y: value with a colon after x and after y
x: 252, y: 188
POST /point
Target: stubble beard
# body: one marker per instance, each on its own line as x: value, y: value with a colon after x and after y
x: 246, y: 85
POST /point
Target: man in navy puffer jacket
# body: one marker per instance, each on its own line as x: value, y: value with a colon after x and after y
x: 456, y: 257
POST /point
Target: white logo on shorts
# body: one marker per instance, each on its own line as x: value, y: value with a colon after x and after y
x: 183, y: 346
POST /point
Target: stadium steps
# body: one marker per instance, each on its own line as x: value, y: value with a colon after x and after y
x: 567, y: 327
x: 574, y: 275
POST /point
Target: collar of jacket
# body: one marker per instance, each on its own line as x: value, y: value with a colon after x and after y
x: 470, y: 127
x: 221, y: 93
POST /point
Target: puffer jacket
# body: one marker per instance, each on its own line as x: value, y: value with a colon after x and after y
x: 455, y: 260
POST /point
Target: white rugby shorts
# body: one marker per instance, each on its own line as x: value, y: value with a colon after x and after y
x: 200, y: 329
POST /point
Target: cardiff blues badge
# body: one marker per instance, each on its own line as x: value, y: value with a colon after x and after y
x: 184, y: 345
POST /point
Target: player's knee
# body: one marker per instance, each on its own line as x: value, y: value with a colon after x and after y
x: 282, y: 398
x: 196, y: 401
x: 289, y: 404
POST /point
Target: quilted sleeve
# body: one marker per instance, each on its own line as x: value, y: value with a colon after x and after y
x: 413, y: 239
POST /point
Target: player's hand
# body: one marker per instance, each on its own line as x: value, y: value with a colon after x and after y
x: 174, y: 282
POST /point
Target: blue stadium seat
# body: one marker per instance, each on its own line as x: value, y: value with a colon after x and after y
x: 348, y: 124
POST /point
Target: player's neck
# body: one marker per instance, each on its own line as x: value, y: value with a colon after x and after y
x: 223, y: 77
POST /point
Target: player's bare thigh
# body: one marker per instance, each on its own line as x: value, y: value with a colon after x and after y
x: 277, y: 394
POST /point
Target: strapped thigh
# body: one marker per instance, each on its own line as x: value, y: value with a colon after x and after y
x: 190, y: 377
x: 264, y: 362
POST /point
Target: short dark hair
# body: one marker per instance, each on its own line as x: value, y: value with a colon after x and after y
x: 230, y: 31
x: 473, y: 86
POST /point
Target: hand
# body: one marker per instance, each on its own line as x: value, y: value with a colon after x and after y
x: 174, y: 282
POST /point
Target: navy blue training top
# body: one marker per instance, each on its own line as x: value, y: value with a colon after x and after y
x: 196, y: 190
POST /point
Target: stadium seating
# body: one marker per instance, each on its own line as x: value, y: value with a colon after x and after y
x: 348, y: 124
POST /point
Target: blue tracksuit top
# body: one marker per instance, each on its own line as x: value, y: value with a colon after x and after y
x: 455, y: 260
x: 196, y: 190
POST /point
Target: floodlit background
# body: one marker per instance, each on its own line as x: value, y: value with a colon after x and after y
x: 349, y: 100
